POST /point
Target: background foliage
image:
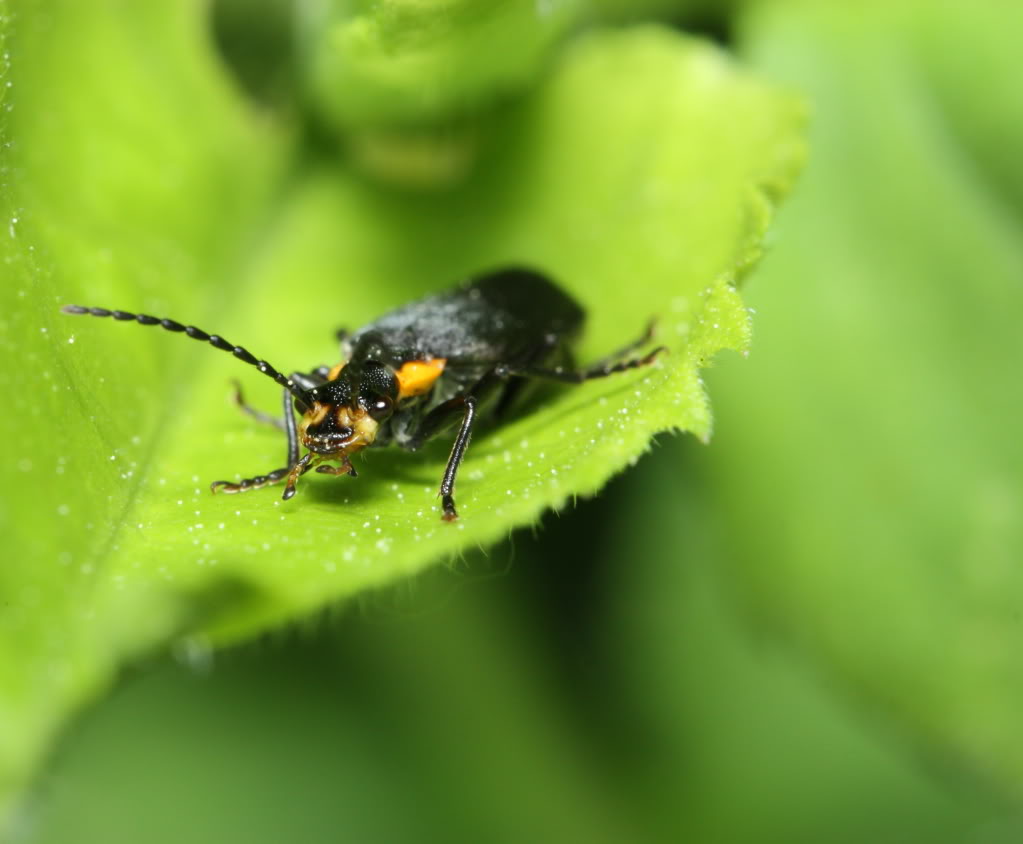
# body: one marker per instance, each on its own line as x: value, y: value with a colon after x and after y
x: 807, y: 631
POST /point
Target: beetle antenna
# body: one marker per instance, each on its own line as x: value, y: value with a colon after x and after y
x: 214, y: 340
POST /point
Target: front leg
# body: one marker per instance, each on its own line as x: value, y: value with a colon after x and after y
x: 277, y: 475
x: 299, y: 469
x: 441, y: 417
x: 447, y: 484
x: 437, y: 419
x: 345, y: 468
x: 246, y: 484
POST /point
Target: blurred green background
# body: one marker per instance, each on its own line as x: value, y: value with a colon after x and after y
x: 809, y: 630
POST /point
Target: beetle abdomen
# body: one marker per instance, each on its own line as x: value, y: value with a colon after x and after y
x: 496, y: 317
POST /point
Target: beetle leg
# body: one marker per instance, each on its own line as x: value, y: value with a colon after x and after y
x: 560, y: 373
x: 646, y: 337
x: 291, y: 429
x: 291, y: 473
x: 299, y: 469
x: 345, y: 468
x: 258, y: 415
x: 467, y: 404
x: 438, y: 419
x: 285, y: 423
x: 277, y: 475
x: 259, y: 481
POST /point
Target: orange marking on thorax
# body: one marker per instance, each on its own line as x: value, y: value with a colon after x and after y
x: 332, y: 375
x: 417, y: 376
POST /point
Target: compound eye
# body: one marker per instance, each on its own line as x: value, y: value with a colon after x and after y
x: 380, y: 408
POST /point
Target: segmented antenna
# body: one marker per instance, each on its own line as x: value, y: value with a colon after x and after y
x: 214, y: 340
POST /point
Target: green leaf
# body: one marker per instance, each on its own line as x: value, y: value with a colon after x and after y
x: 122, y: 180
x: 413, y: 61
x: 743, y: 738
x: 642, y: 175
x: 873, y: 510
x: 592, y: 683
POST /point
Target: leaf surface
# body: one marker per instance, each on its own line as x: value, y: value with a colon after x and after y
x: 642, y: 175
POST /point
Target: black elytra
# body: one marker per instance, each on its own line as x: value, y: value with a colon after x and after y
x: 417, y: 371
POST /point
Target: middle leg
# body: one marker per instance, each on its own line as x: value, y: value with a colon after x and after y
x: 257, y: 414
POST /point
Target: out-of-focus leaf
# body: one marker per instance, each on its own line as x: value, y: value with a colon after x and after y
x: 869, y: 463
x: 642, y: 175
x: 683, y: 12
x: 593, y: 684
x: 413, y: 61
x: 736, y: 736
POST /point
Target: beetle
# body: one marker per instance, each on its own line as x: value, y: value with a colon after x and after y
x: 417, y: 371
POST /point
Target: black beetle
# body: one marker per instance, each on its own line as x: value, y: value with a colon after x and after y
x: 416, y: 371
